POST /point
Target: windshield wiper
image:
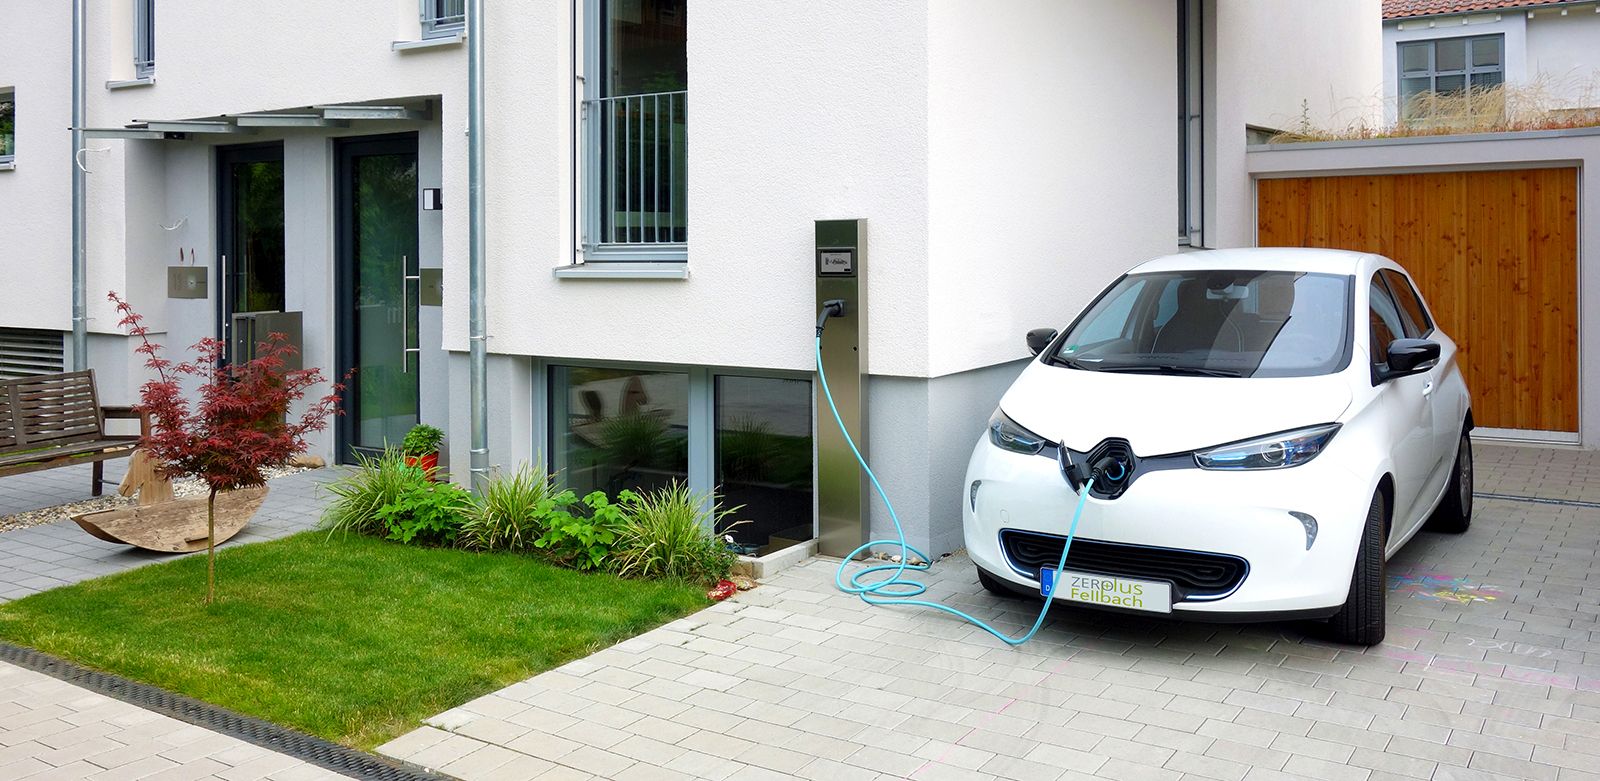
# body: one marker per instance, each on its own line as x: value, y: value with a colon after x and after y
x: 1142, y: 368
x: 1072, y: 363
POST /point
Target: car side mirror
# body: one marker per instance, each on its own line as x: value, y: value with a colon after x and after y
x: 1410, y: 356
x: 1040, y: 338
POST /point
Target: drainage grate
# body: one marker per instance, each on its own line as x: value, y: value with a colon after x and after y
x: 316, y: 751
x: 1538, y: 500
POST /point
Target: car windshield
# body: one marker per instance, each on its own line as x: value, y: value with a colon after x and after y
x: 1215, y: 323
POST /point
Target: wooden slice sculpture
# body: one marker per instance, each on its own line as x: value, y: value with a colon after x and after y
x: 163, y: 524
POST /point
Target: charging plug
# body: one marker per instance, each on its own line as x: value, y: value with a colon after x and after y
x: 833, y: 307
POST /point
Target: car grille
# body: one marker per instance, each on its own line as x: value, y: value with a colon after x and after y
x: 1194, y: 575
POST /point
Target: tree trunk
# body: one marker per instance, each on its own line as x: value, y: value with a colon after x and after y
x: 211, y: 547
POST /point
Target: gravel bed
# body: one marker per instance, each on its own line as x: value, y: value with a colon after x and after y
x: 183, y: 487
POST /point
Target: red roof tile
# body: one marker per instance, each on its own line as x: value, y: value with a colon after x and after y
x: 1405, y: 9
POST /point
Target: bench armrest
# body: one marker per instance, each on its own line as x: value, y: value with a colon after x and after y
x: 129, y: 413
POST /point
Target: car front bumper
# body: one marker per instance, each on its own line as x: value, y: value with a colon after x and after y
x: 1246, y: 514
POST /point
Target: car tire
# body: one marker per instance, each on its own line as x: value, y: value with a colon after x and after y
x: 1454, y: 514
x: 1361, y: 621
x: 995, y: 586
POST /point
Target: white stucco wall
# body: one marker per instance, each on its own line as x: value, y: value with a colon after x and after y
x: 1273, y: 60
x: 1565, y: 52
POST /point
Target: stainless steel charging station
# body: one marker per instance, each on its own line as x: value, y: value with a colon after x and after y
x: 843, y: 498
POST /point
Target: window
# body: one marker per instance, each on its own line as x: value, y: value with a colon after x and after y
x: 635, y: 130
x: 1215, y: 323
x: 1191, y: 104
x: 144, y: 38
x: 1418, y: 324
x: 745, y: 436
x: 1448, y: 67
x: 1386, y: 322
x: 763, y: 455
x: 443, y: 18
x: 8, y: 127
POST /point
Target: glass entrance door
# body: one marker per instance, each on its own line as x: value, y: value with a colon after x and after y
x: 250, y: 223
x: 377, y: 290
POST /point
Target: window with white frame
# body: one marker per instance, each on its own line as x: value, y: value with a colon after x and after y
x: 1191, y: 136
x: 443, y: 18
x: 1446, y: 67
x: 635, y: 130
x: 144, y: 38
x: 8, y: 126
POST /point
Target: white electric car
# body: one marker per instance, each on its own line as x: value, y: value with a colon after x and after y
x: 1263, y: 428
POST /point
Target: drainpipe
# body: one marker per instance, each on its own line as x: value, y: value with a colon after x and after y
x: 80, y: 324
x: 477, y: 310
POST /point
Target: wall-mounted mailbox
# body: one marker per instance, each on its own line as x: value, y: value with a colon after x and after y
x: 430, y: 286
x: 186, y: 282
x: 252, y: 328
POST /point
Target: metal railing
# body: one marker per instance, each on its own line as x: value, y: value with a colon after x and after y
x: 144, y: 38
x: 638, y: 146
x: 443, y: 17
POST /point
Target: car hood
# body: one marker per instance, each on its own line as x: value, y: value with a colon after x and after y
x: 1161, y: 414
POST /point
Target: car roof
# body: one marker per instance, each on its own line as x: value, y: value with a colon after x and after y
x: 1299, y: 259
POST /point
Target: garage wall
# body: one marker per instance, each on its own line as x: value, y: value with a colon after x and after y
x: 1578, y: 151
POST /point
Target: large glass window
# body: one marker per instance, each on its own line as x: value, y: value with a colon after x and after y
x: 144, y: 38
x: 619, y: 428
x: 1219, y: 323
x: 8, y: 127
x: 1449, y: 67
x: 763, y: 457
x: 635, y: 123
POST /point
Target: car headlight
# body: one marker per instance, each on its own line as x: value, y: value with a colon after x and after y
x: 1274, y: 451
x: 1007, y: 435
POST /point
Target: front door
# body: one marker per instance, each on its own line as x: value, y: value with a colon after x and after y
x: 251, y: 240
x: 377, y: 290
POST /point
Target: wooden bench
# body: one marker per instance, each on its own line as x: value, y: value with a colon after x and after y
x: 56, y: 420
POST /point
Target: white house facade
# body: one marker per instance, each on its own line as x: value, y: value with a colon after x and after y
x: 1545, y: 47
x: 655, y: 171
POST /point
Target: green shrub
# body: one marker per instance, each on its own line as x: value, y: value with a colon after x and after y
x: 583, y: 542
x: 430, y: 513
x: 421, y: 440
x: 376, y: 482
x: 673, y: 532
x: 514, y: 510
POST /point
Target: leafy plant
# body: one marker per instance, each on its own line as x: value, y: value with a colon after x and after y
x: 421, y: 440
x: 358, y: 496
x: 673, y: 532
x: 514, y: 510
x: 583, y: 542
x: 427, y: 512
x: 239, y: 426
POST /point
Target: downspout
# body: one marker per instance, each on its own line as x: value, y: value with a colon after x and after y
x: 80, y: 264
x: 477, y: 271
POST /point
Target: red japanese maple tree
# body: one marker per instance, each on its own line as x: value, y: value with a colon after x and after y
x: 239, y: 425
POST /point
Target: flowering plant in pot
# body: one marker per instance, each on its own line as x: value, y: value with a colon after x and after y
x: 421, y: 447
x: 237, y: 427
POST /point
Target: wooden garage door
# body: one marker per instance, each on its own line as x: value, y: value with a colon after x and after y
x: 1496, y: 255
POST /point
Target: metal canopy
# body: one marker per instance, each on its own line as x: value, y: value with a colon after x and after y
x: 190, y: 126
x: 269, y: 119
x: 131, y: 133
x: 373, y: 112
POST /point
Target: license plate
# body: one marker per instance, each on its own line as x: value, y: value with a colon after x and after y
x: 1149, y: 595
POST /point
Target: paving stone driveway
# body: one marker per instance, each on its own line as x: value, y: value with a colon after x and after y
x: 1491, y: 670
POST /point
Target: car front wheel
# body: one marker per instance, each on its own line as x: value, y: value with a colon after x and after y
x: 1361, y: 620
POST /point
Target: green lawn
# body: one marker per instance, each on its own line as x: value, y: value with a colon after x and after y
x: 352, y: 639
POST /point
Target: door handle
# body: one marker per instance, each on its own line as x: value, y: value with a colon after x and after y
x: 1427, y: 390
x: 405, y: 318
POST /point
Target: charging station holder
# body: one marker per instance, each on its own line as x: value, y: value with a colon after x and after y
x: 843, y: 498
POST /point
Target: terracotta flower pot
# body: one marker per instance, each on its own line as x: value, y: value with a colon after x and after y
x: 429, y: 463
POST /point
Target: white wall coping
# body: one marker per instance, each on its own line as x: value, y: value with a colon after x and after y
x: 1456, y: 138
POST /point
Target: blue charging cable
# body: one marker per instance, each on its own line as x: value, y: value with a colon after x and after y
x: 898, y: 589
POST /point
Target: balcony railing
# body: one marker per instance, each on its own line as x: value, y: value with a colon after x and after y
x: 638, y: 148
x: 443, y: 17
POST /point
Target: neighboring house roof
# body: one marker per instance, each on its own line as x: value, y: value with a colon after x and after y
x: 1407, y: 9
